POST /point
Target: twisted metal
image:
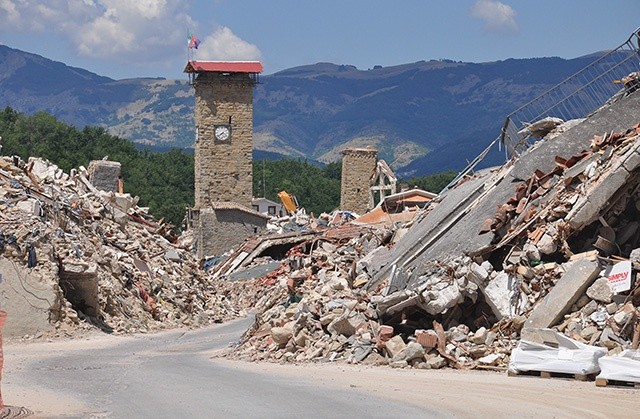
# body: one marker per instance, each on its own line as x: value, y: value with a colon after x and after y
x: 577, y: 96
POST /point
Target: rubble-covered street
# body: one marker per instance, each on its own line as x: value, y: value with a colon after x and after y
x: 333, y: 289
x: 171, y: 374
x: 529, y: 268
x: 553, y: 253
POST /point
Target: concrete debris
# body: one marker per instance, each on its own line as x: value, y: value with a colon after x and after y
x: 89, y: 258
x: 313, y: 295
x: 544, y: 242
x: 564, y: 294
x: 452, y: 291
x: 600, y: 290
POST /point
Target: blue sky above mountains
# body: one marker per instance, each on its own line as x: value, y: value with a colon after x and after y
x: 148, y: 38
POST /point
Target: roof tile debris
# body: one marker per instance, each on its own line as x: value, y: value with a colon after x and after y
x: 559, y: 249
x: 553, y: 244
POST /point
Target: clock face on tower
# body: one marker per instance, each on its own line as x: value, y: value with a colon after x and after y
x: 222, y: 133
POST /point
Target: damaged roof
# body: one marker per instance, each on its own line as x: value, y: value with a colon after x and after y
x: 453, y: 227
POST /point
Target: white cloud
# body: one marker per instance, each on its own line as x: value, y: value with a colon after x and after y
x: 124, y: 31
x: 9, y: 14
x: 497, y: 16
x: 224, y: 45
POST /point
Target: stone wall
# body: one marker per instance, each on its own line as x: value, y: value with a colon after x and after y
x: 223, y: 170
x: 223, y: 228
x: 27, y: 297
x: 358, y: 165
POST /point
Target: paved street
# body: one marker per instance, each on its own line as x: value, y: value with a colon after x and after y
x: 170, y: 375
x: 175, y: 374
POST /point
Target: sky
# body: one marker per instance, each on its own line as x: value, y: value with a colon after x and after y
x: 148, y: 38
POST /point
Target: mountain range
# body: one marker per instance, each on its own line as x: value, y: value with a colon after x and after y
x: 423, y: 117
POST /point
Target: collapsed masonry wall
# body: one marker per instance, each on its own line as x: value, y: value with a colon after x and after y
x: 74, y: 258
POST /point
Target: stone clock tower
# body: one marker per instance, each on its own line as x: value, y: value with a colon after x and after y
x: 224, y: 130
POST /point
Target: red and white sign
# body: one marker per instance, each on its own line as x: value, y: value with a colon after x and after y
x: 620, y: 276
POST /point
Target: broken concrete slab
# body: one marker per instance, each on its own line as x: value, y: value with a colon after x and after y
x: 497, y: 294
x: 421, y: 235
x: 27, y: 298
x: 578, y: 277
x: 255, y: 271
x: 453, y: 225
x: 591, y: 204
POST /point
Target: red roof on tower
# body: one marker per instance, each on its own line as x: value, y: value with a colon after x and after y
x: 223, y: 66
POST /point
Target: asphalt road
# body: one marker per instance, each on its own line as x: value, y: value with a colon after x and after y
x: 175, y: 374
x: 172, y: 375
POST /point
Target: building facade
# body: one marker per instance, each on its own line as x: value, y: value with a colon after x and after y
x: 268, y: 207
x: 225, y: 226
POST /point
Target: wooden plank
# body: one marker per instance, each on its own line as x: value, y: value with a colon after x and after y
x: 601, y: 382
x: 550, y: 374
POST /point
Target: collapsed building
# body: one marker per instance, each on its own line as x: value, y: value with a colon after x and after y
x: 548, y: 243
x: 500, y: 256
x: 74, y: 257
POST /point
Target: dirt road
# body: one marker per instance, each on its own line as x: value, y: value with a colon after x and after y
x: 176, y: 374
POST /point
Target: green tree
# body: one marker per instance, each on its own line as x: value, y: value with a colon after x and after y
x: 163, y: 181
x: 317, y: 189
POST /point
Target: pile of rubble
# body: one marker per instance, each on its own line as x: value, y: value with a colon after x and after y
x: 557, y: 248
x: 314, y: 304
x: 585, y: 213
x: 317, y: 309
x: 98, y: 256
x: 459, y: 281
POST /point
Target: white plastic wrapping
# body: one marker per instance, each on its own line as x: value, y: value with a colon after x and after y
x: 623, y: 367
x: 569, y: 357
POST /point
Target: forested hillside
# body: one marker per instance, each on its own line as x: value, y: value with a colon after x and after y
x: 164, y: 181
